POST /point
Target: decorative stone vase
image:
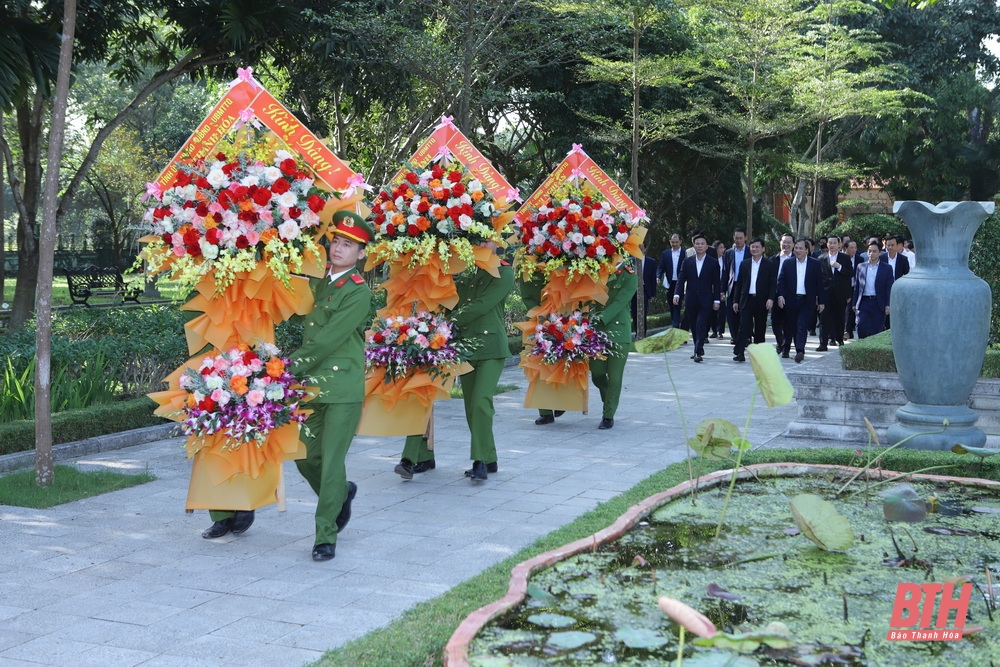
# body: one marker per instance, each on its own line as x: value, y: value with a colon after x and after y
x: 940, y: 326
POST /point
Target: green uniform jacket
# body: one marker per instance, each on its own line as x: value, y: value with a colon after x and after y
x: 479, y: 313
x: 615, y: 317
x: 333, y: 346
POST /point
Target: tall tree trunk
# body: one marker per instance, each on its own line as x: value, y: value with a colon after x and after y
x: 29, y: 129
x: 640, y: 297
x: 44, y: 470
x: 798, y: 220
x: 827, y: 201
x: 750, y: 191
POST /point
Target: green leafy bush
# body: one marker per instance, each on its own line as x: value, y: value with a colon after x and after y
x: 875, y: 354
x: 72, y: 425
x: 984, y: 260
x: 873, y: 224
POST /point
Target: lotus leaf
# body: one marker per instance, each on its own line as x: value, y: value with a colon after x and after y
x: 538, y: 593
x: 567, y: 641
x: 640, y: 638
x: 820, y: 521
x: 549, y: 620
x: 719, y: 659
x: 775, y: 635
x: 665, y: 341
x: 902, y: 503
x: 714, y: 438
x: 770, y: 374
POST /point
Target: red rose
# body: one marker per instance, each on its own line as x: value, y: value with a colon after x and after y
x: 224, y: 199
x: 316, y: 203
x: 242, y: 242
x: 168, y: 239
x: 191, y: 237
x: 556, y: 250
x: 288, y: 166
x: 413, y: 230
x: 194, y: 250
x: 458, y: 189
x: 455, y: 176
x: 445, y: 194
x: 437, y: 171
x: 221, y: 157
x: 280, y: 186
x: 412, y: 178
x: 189, y: 204
x: 294, y: 213
x: 608, y: 246
x: 241, y: 191
x: 623, y: 228
x: 207, y: 404
x: 201, y: 209
x: 202, y: 183
x: 183, y: 179
x: 160, y: 213
x: 248, y: 356
x: 423, y: 206
x: 586, y: 211
x: 228, y: 169
x: 262, y: 197
x: 379, y: 219
x: 379, y: 337
x: 390, y: 229
x: 591, y: 251
x: 213, y: 236
x: 587, y: 201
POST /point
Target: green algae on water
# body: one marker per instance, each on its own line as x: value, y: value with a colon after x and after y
x: 837, y: 605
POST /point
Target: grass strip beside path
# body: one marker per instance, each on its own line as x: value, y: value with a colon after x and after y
x: 418, y: 637
x: 71, y: 483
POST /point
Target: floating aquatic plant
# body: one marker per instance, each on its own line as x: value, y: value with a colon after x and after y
x: 820, y: 521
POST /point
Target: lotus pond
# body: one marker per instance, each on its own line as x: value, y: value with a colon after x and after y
x: 776, y: 596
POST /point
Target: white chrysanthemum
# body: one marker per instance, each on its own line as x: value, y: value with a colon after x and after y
x: 268, y: 349
x: 288, y: 230
x: 208, y: 250
x: 464, y: 222
x: 588, y: 239
x: 454, y: 201
x: 308, y: 219
x: 218, y: 179
x: 445, y: 226
x: 601, y: 252
x: 213, y: 382
x: 412, y: 219
x: 249, y: 181
x: 576, y: 237
x: 621, y: 237
x: 271, y: 174
x: 167, y: 224
x: 465, y: 199
x: 474, y: 185
x: 274, y: 392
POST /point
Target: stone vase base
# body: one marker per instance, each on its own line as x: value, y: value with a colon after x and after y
x: 936, y: 427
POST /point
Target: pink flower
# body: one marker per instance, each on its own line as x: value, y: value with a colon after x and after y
x: 221, y: 396
x: 253, y: 237
x: 255, y: 397
x: 687, y: 616
x: 221, y: 363
x: 179, y: 250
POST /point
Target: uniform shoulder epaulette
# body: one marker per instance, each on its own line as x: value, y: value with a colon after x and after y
x: 358, y: 280
x: 504, y: 262
x: 628, y: 268
x: 341, y: 282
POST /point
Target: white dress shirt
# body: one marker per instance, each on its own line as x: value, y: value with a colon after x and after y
x: 800, y: 276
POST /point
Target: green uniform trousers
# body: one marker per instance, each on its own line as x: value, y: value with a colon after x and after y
x: 607, y: 375
x: 221, y: 515
x: 478, y: 386
x: 332, y: 427
x: 416, y: 450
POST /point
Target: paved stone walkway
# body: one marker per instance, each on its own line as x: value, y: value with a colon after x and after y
x: 125, y: 578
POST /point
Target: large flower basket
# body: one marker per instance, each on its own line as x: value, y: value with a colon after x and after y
x: 402, y: 406
x: 216, y: 477
x: 559, y: 386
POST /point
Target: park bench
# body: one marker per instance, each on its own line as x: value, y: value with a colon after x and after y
x: 91, y: 281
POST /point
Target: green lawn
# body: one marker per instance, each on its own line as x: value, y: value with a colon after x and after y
x: 60, y: 291
x: 418, y: 637
x: 71, y: 483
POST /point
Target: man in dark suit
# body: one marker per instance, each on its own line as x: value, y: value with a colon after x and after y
x: 648, y: 274
x: 732, y: 261
x: 782, y: 334
x: 850, y: 321
x: 667, y: 271
x: 699, y: 282
x: 838, y: 271
x: 753, y: 297
x: 899, y: 262
x: 873, y: 285
x: 800, y: 293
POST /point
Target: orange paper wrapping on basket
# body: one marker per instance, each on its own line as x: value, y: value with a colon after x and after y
x: 563, y: 293
x: 430, y: 286
x: 558, y: 386
x: 574, y: 372
x: 419, y: 385
x: 246, y: 311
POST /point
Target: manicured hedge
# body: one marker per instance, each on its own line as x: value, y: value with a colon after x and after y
x: 72, y: 425
x: 875, y: 354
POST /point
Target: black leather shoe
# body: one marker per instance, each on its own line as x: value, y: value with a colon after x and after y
x: 345, y: 512
x: 799, y: 356
x: 822, y: 348
x: 242, y: 522
x: 544, y: 419
x: 785, y: 355
x: 490, y: 468
x: 606, y: 424
x: 404, y: 469
x: 424, y: 466
x: 218, y: 529
x: 712, y: 335
x: 693, y: 356
x: 697, y: 358
x: 323, y: 552
x: 740, y: 358
x: 478, y: 471
x: 558, y: 413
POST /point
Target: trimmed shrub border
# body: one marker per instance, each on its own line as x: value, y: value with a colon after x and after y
x: 875, y: 354
x: 78, y: 432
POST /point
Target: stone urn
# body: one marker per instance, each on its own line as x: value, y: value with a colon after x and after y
x: 940, y: 326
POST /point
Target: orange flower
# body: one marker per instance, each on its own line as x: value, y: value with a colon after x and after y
x: 388, y: 206
x: 423, y: 224
x: 401, y: 339
x: 210, y: 222
x: 190, y: 401
x: 569, y: 344
x: 438, y: 341
x: 238, y: 383
x: 268, y: 235
x: 440, y: 212
x: 275, y: 367
x: 434, y: 183
x: 476, y: 195
x: 243, y: 347
x: 246, y: 205
x: 398, y: 220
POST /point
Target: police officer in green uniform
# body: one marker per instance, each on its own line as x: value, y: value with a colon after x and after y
x: 479, y: 317
x: 614, y: 319
x: 531, y: 295
x: 332, y: 354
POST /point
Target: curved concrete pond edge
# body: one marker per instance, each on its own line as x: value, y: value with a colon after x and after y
x: 456, y: 652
